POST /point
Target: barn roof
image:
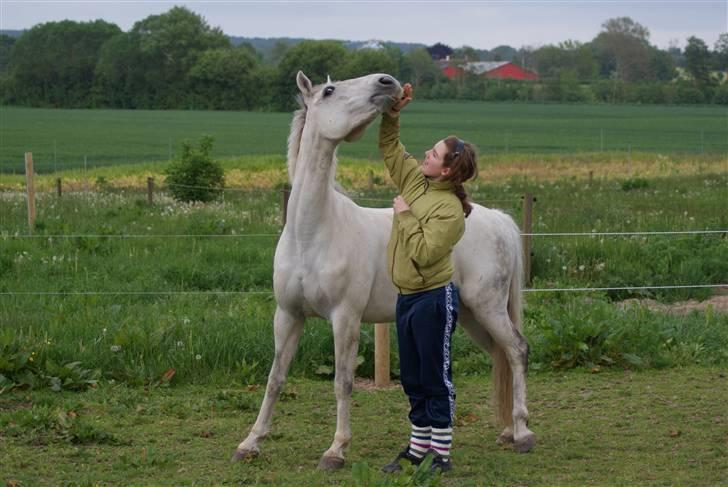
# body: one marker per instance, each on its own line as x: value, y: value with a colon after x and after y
x: 484, y: 66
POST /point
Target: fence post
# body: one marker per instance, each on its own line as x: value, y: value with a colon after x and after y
x: 150, y: 190
x: 30, y: 188
x: 528, y: 200
x: 59, y: 188
x: 286, y: 191
x: 381, y: 354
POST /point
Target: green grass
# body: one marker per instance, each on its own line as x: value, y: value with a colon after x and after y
x: 62, y: 139
x: 136, y: 338
x: 617, y: 428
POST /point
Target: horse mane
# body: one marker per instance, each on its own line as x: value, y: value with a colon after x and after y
x: 294, y: 138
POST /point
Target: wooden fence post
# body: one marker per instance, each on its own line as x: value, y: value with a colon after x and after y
x: 381, y: 354
x: 30, y: 188
x: 150, y: 190
x: 528, y: 200
x: 286, y: 191
x: 59, y: 188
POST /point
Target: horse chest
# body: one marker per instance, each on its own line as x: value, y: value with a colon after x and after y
x: 314, y: 280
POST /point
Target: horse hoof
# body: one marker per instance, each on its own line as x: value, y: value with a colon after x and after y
x: 247, y: 454
x: 525, y: 444
x: 330, y: 463
x: 504, y: 439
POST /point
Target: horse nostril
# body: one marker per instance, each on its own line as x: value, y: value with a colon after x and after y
x: 386, y: 80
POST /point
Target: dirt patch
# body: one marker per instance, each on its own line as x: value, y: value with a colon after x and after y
x: 362, y: 384
x: 718, y: 303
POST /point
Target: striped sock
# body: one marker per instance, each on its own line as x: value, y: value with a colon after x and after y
x: 441, y: 441
x: 419, y: 441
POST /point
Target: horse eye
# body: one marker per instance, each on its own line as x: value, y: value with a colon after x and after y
x: 328, y: 90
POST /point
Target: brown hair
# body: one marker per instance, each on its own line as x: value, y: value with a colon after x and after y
x: 463, y: 163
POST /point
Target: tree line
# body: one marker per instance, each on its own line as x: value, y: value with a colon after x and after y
x: 175, y: 60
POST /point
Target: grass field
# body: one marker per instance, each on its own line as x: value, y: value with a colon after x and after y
x: 61, y: 139
x: 111, y: 241
x: 153, y: 322
x: 666, y: 427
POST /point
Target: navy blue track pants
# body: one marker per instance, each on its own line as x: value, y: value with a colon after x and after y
x: 425, y: 324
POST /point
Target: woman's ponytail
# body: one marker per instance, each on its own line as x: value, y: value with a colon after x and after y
x: 463, y: 163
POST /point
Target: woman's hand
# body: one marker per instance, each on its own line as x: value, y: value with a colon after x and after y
x: 402, y: 101
x: 400, y: 204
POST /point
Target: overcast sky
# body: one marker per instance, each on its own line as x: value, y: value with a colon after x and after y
x: 480, y: 24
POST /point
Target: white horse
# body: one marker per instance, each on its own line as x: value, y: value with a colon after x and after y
x: 331, y: 263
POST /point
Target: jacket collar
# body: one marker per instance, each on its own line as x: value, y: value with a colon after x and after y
x: 440, y: 185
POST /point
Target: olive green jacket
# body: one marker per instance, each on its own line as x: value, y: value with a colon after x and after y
x: 420, y: 246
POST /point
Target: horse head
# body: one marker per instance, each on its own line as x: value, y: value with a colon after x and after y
x: 342, y: 110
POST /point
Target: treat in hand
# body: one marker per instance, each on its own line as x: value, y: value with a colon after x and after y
x: 402, y: 101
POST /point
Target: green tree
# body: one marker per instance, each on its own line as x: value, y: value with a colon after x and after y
x: 6, y: 44
x: 169, y: 46
x: 317, y: 59
x: 720, y: 53
x: 623, y: 50
x: 226, y: 79
x: 419, y: 68
x: 662, y: 65
x: 697, y: 58
x: 277, y: 52
x: 466, y: 53
x: 53, y: 64
x: 368, y: 61
x: 569, y: 55
x: 120, y: 74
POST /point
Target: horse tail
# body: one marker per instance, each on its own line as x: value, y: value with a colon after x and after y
x: 502, y: 373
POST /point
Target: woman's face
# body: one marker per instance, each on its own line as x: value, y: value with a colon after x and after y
x: 433, y: 165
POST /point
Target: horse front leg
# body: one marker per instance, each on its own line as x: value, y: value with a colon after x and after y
x: 346, y: 344
x: 287, y: 328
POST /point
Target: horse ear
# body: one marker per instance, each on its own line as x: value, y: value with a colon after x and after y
x: 304, y: 84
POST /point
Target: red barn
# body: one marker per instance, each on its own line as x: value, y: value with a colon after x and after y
x: 492, y: 69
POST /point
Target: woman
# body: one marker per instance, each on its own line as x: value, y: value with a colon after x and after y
x: 429, y: 219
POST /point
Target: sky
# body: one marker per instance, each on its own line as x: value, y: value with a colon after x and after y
x: 479, y: 24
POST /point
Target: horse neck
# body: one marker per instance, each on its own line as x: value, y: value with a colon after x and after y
x: 312, y: 192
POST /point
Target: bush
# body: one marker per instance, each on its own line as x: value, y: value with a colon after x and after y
x: 196, y: 177
x: 688, y: 94
x: 648, y: 93
x: 721, y: 95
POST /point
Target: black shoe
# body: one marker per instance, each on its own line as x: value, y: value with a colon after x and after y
x: 444, y: 464
x: 394, y: 466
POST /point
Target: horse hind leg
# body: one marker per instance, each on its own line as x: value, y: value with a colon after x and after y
x: 480, y: 336
x: 510, y: 365
x: 287, y: 329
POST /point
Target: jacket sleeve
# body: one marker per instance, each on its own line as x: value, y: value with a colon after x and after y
x: 429, y: 242
x: 403, y: 168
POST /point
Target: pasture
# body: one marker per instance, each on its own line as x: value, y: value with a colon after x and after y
x: 134, y: 290
x: 61, y: 139
x: 134, y: 338
x: 665, y: 427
